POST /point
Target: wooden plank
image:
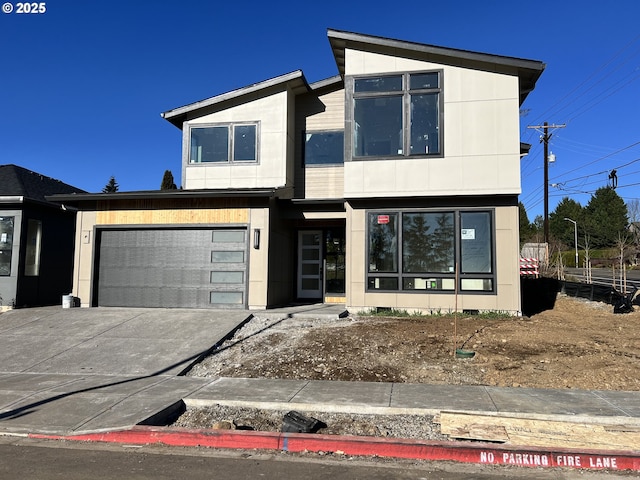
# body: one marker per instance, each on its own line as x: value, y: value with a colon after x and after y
x: 176, y: 216
x: 540, y: 433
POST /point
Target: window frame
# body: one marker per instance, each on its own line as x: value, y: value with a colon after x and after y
x: 231, y: 132
x: 439, y: 282
x: 406, y: 92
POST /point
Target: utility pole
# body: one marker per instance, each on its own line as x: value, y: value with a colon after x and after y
x: 546, y: 136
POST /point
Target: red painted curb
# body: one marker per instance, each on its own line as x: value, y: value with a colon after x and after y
x: 481, y: 453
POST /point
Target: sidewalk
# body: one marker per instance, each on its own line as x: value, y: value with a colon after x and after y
x: 97, y: 374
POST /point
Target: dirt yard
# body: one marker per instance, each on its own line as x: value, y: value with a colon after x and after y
x: 579, y: 344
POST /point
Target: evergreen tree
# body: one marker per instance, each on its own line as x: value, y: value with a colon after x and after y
x: 526, y: 229
x: 537, y: 228
x: 427, y: 242
x: 167, y: 181
x: 561, y: 229
x: 417, y: 248
x: 605, y: 217
x: 111, y: 186
x: 443, y: 243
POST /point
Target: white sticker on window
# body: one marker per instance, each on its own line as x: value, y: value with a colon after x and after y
x: 468, y: 234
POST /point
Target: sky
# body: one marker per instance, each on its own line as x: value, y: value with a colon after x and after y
x: 82, y: 85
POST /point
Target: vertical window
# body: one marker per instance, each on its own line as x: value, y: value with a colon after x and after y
x: 244, y: 143
x: 424, y: 137
x: 476, y: 242
x: 34, y: 241
x: 335, y: 261
x: 383, y: 242
x: 6, y: 245
x: 378, y: 127
x: 397, y: 115
x: 223, y: 143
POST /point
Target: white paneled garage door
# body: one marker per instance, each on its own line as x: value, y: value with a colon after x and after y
x: 185, y: 268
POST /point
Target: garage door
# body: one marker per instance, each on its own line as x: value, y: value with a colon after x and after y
x: 186, y: 268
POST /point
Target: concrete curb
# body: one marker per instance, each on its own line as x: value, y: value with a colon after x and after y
x: 463, y: 452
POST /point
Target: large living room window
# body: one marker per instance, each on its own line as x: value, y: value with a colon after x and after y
x: 397, y: 115
x: 419, y: 250
x: 223, y: 143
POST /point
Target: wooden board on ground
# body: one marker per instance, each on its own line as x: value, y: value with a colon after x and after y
x: 540, y: 433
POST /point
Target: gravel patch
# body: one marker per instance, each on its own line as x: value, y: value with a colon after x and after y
x: 222, y: 417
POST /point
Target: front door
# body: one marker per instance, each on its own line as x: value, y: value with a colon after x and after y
x: 310, y: 264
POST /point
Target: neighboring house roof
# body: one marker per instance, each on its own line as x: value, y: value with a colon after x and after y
x: 19, y: 184
x: 528, y: 71
x: 294, y: 80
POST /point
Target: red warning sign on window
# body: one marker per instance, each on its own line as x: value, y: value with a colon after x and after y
x: 383, y: 219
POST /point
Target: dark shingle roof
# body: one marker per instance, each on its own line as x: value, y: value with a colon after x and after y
x: 19, y: 182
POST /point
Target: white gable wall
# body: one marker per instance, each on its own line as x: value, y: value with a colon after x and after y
x: 270, y: 171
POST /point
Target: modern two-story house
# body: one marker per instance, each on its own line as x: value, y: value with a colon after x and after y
x: 393, y: 184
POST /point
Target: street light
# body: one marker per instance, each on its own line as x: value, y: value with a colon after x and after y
x: 575, y: 233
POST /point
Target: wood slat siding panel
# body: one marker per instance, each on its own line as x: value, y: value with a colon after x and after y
x: 167, y: 212
x: 324, y: 182
x: 169, y: 217
x: 330, y: 118
x: 335, y: 299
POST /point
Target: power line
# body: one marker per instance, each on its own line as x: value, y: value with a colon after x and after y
x: 600, y: 158
x: 576, y: 115
x: 601, y: 173
x: 579, y: 146
x: 567, y: 189
x: 551, y: 112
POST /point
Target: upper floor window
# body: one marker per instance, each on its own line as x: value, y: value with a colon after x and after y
x: 397, y: 115
x: 324, y: 148
x: 223, y: 143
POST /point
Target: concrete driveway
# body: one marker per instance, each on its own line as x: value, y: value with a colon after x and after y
x: 79, y: 369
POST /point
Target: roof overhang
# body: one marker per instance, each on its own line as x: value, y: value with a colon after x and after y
x: 22, y: 200
x: 293, y: 81
x: 528, y: 71
x: 11, y: 199
x: 335, y: 203
x: 332, y: 82
x: 74, y: 199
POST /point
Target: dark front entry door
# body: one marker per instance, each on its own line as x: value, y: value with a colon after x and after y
x: 321, y: 263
